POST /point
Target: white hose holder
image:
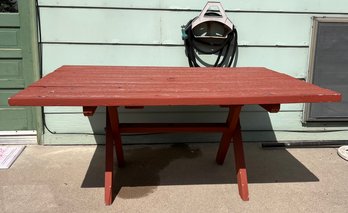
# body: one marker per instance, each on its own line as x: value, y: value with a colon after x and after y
x: 216, y: 26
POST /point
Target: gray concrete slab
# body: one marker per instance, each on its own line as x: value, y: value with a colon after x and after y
x: 175, y: 178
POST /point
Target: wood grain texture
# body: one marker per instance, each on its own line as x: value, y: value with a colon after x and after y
x: 167, y: 86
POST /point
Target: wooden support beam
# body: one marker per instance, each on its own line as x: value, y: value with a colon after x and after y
x: 89, y: 110
x: 272, y: 108
x: 232, y: 119
x: 134, y: 107
x: 109, y: 163
x: 115, y: 130
x: 241, y: 170
x: 172, y: 127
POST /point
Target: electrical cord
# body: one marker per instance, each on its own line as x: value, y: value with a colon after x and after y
x: 40, y: 50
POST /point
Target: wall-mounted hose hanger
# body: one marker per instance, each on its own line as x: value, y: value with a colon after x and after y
x: 210, y: 33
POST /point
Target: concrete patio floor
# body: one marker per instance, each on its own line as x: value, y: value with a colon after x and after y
x: 175, y: 178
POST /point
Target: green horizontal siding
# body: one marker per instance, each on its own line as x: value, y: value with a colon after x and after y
x: 164, y: 27
x: 337, y: 6
x: 261, y: 121
x: 273, y: 34
x: 248, y: 136
x: 134, y: 139
x: 208, y: 109
x: 292, y: 61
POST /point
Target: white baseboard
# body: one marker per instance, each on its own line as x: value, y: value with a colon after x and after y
x: 18, y: 137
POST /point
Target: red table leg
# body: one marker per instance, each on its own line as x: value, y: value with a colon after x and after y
x: 112, y: 134
x: 241, y: 172
x: 109, y: 159
x: 116, y: 134
x: 232, y: 120
x: 234, y: 132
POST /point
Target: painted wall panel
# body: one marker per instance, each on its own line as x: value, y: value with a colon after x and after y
x: 16, y: 118
x: 260, y: 136
x: 9, y: 20
x: 248, y: 136
x: 10, y: 68
x: 18, y: 66
x: 5, y: 94
x: 103, y: 3
x: 339, y: 6
x: 261, y: 121
x: 209, y: 109
x: 292, y: 61
x: 11, y: 75
x: 8, y: 37
x: 10, y: 53
x: 274, y: 34
x: 164, y: 27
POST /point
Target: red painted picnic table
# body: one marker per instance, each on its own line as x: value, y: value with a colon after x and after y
x: 116, y: 86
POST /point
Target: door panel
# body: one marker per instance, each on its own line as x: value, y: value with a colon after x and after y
x: 11, y: 75
x: 9, y: 37
x: 18, y: 65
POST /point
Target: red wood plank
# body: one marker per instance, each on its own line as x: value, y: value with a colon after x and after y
x: 116, y: 134
x: 39, y: 96
x: 151, y: 86
x: 241, y: 171
x: 109, y: 164
x: 232, y: 121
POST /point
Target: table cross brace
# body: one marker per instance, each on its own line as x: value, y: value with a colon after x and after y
x: 231, y: 133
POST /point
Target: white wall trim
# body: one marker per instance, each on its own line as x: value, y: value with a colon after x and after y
x: 18, y: 137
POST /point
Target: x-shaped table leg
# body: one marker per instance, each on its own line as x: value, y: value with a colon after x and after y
x: 112, y: 135
x: 233, y: 134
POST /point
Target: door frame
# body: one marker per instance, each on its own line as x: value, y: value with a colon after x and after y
x: 27, y: 13
x: 28, y: 20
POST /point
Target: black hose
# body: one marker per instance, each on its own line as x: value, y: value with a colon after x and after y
x: 225, y: 50
x: 305, y: 144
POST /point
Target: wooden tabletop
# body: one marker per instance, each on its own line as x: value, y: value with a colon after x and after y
x: 156, y: 86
